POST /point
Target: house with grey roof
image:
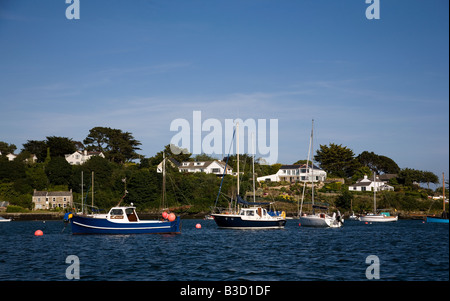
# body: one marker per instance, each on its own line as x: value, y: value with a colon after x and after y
x: 52, y: 199
x: 367, y: 184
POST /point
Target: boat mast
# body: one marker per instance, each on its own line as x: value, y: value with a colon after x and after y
x: 237, y: 151
x: 374, y: 193
x: 92, y: 189
x: 163, y: 202
x: 443, y: 192
x: 312, y: 166
x: 253, y: 163
x: 82, y: 189
x: 306, y: 180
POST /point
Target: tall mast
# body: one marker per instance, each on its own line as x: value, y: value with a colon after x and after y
x: 374, y: 193
x: 237, y: 151
x: 312, y: 165
x: 253, y: 163
x: 443, y: 192
x: 82, y: 189
x: 163, y: 205
x: 92, y: 189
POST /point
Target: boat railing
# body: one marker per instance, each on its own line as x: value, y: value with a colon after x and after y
x: 87, y: 209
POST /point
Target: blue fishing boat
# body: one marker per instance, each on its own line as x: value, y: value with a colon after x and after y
x: 434, y: 219
x: 122, y: 220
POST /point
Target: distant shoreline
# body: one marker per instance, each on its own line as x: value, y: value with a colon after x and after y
x: 50, y: 216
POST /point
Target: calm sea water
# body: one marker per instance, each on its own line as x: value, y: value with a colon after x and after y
x: 407, y: 250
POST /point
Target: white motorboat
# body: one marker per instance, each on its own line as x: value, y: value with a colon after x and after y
x: 2, y: 219
x: 378, y: 218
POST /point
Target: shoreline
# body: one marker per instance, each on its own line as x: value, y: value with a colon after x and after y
x: 53, y: 216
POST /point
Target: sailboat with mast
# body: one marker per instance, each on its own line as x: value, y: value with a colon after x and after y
x: 247, y: 215
x: 380, y: 217
x: 320, y: 220
x: 443, y: 219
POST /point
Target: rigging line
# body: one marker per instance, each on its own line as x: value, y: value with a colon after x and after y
x: 225, y: 169
x: 307, y: 171
x: 174, y: 185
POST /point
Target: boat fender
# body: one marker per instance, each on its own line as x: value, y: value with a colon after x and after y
x: 67, y: 216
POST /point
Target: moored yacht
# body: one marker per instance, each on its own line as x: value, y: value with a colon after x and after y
x: 122, y: 220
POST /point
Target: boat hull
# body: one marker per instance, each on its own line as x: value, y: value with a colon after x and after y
x: 437, y: 220
x: 90, y: 225
x: 378, y: 218
x: 229, y: 221
x: 319, y: 222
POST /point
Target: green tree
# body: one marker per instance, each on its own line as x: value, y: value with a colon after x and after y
x: 429, y: 177
x: 379, y: 164
x: 60, y: 146
x: 337, y: 160
x: 117, y: 146
x: 344, y: 200
x: 6, y: 148
x: 36, y: 147
x: 58, y: 171
x: 36, y: 176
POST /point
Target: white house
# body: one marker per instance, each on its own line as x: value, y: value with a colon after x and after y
x: 12, y: 157
x: 214, y: 167
x: 78, y: 157
x: 366, y: 184
x: 296, y: 173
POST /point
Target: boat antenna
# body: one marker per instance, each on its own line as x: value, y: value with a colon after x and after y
x: 124, y: 180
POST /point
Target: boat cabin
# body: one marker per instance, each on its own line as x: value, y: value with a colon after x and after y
x: 123, y: 214
x: 257, y: 212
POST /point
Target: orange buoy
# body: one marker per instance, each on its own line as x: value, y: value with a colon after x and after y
x: 198, y: 226
x: 38, y: 233
x: 165, y: 215
x: 171, y: 217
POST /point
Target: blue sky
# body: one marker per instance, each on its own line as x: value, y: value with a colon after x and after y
x: 375, y: 85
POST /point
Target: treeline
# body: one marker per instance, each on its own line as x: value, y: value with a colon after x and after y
x: 113, y: 174
x: 193, y: 192
x: 340, y: 162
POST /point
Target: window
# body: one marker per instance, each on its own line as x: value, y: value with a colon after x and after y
x: 116, y: 212
x: 54, y: 199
